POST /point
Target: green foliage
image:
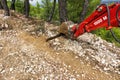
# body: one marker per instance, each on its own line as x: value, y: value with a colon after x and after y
x: 56, y: 13
x: 74, y: 8
x: 8, y: 3
x: 19, y: 6
x: 103, y: 33
x: 92, y: 6
x: 106, y: 34
x: 35, y: 10
x: 46, y: 8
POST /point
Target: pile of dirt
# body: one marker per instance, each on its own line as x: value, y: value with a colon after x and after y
x: 25, y: 54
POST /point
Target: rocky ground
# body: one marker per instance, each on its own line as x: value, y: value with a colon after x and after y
x: 25, y: 54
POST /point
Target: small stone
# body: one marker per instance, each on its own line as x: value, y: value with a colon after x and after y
x: 11, y: 69
x: 76, y: 57
x: 3, y: 71
x: 6, y: 25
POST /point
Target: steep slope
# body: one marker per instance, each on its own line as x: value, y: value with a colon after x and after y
x: 25, y: 55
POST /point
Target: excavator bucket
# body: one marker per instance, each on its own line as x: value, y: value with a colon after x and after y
x: 63, y: 30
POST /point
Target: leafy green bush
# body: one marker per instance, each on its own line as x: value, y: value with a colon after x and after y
x: 106, y: 35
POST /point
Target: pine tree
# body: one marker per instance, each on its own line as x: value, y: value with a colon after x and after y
x: 5, y: 7
x: 52, y: 11
x: 62, y: 10
x: 26, y: 8
x: 13, y: 5
x: 1, y: 7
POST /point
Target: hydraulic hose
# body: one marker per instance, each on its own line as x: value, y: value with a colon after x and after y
x: 108, y: 13
x: 113, y: 34
x: 109, y: 24
x: 117, y: 16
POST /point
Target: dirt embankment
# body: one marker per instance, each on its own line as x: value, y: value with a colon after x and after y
x: 25, y: 55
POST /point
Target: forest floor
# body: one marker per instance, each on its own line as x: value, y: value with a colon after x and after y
x: 25, y: 54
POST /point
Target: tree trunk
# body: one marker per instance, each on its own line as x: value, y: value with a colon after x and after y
x: 62, y: 10
x: 1, y: 7
x: 12, y: 5
x: 84, y: 10
x: 5, y: 7
x: 52, y: 11
x: 26, y: 8
x: 47, y: 9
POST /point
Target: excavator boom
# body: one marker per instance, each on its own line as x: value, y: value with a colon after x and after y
x: 103, y: 16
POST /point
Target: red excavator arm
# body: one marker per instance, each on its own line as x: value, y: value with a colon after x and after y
x: 103, y: 16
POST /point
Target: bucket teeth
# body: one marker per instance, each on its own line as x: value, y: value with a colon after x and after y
x: 56, y: 36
